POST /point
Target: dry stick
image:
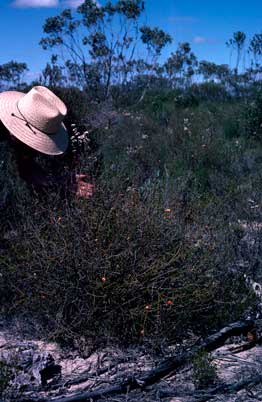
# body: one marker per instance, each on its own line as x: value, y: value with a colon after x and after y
x: 87, y: 375
x: 166, y: 367
x: 202, y: 396
x: 246, y: 346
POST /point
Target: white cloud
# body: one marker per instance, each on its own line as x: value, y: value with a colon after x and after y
x: 183, y: 19
x: 199, y: 39
x: 76, y: 3
x: 73, y: 3
x: 203, y: 39
x: 48, y: 3
x: 35, y: 3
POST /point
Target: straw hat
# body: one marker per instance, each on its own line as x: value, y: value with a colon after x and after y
x: 35, y: 119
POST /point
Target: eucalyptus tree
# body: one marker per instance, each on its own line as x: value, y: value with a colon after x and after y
x: 155, y: 40
x: 99, y: 43
x: 181, y: 65
x: 53, y: 74
x: 12, y: 74
x: 208, y: 70
x: 237, y: 43
x: 214, y: 72
x: 255, y: 50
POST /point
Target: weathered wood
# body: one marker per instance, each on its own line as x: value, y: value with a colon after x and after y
x: 223, y: 389
x: 87, y: 375
x: 246, y: 346
x: 166, y: 367
x: 209, y: 344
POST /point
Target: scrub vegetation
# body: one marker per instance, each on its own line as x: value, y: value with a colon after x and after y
x: 154, y: 255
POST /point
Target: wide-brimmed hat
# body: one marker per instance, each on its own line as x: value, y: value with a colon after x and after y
x: 36, y: 119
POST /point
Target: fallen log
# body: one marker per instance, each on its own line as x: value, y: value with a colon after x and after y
x: 246, y: 346
x: 87, y: 375
x: 166, y: 367
x: 223, y: 389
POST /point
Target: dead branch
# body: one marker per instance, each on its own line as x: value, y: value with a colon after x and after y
x: 87, y: 375
x: 168, y: 366
x: 246, y: 346
x: 223, y: 389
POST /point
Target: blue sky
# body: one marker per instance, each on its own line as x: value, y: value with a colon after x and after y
x: 205, y: 24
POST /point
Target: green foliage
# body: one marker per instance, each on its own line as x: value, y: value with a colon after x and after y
x: 91, y: 13
x: 97, y: 42
x: 208, y: 91
x: 213, y: 71
x: 149, y: 256
x: 255, y: 48
x: 159, y: 104
x: 52, y: 75
x: 115, y: 267
x: 237, y: 43
x: 155, y: 39
x: 100, y: 43
x: 181, y: 64
x: 238, y: 40
x: 204, y: 370
x: 132, y: 9
x: 253, y: 117
x: 77, y: 102
x: 11, y: 74
x: 6, y: 375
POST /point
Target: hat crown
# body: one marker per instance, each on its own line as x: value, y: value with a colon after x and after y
x: 42, y: 109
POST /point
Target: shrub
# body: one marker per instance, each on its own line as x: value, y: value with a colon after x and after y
x: 253, y: 116
x: 6, y: 374
x: 209, y: 91
x: 77, y: 103
x: 149, y: 256
x: 117, y: 267
x: 231, y: 129
x: 204, y: 370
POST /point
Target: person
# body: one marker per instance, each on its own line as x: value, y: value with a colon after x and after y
x: 33, y: 124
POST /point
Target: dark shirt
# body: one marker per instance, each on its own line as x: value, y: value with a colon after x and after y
x: 65, y: 183
x: 28, y: 169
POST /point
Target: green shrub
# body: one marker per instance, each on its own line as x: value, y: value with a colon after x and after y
x: 118, y: 267
x: 209, y: 91
x: 149, y: 255
x: 77, y: 102
x: 231, y: 128
x: 6, y: 375
x: 204, y: 370
x: 253, y: 116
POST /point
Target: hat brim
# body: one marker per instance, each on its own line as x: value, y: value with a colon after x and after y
x: 50, y: 144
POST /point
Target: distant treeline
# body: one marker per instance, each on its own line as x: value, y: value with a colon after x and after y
x: 99, y: 48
